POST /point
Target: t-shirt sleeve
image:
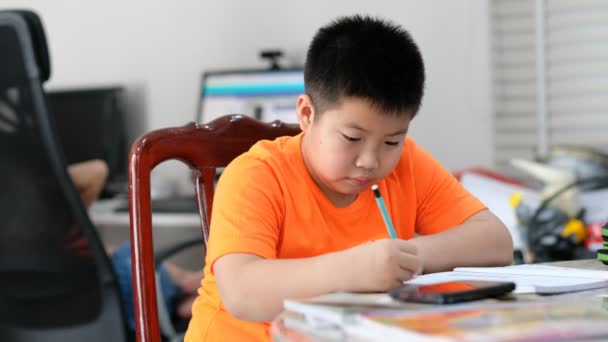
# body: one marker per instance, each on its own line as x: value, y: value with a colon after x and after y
x: 246, y: 212
x: 442, y: 202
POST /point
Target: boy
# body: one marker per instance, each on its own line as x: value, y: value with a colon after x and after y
x: 295, y: 217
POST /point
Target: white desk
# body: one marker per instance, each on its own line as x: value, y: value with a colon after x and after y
x: 168, y: 229
x: 104, y: 215
x: 303, y: 330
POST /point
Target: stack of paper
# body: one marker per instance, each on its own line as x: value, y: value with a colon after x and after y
x: 336, y: 308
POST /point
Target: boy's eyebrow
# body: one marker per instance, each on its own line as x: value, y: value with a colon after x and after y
x: 399, y: 132
x: 357, y: 127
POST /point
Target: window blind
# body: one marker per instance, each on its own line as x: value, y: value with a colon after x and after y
x: 573, y: 73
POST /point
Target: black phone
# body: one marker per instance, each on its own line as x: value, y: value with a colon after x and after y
x: 451, y: 292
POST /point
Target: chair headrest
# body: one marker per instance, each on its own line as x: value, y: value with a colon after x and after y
x: 35, y: 29
x: 41, y: 50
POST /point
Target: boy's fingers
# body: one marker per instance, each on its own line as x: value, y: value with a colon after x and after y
x: 403, y: 275
x: 407, y: 247
x: 409, y: 262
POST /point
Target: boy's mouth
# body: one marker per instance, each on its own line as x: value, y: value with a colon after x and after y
x: 361, y: 180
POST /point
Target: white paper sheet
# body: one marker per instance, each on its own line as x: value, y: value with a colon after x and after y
x: 528, y: 278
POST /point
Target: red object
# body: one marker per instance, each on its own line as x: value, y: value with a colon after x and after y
x: 594, y: 239
x: 490, y: 174
x: 203, y: 148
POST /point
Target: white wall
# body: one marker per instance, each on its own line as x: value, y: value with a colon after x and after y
x: 159, y: 49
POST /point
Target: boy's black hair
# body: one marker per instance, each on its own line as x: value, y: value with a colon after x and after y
x: 365, y: 57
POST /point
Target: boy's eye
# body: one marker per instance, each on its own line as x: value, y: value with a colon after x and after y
x: 392, y: 143
x: 350, y: 138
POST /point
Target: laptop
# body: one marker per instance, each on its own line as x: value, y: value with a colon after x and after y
x: 264, y: 94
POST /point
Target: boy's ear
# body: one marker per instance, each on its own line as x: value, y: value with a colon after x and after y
x: 305, y: 111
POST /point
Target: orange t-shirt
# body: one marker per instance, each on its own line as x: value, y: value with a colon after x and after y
x: 268, y: 205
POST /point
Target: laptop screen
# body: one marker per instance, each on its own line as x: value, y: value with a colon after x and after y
x: 266, y: 95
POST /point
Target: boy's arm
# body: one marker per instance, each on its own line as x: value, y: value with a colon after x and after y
x: 89, y: 178
x: 253, y: 288
x: 482, y: 240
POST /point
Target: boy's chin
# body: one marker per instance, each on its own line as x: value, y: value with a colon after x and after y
x: 352, y: 189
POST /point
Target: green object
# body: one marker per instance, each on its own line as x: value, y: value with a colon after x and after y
x: 605, y: 303
x: 602, y: 255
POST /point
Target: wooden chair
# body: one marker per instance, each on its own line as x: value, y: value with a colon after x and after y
x: 204, y: 148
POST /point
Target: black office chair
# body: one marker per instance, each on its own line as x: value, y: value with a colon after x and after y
x: 56, y: 281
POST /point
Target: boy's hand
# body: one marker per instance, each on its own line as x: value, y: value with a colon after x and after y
x: 381, y: 265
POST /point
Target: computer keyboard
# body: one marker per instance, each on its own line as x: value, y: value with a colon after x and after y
x: 181, y: 204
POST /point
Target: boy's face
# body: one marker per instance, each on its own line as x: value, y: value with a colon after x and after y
x: 348, y: 148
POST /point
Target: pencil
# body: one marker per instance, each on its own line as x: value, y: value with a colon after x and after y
x: 387, y: 219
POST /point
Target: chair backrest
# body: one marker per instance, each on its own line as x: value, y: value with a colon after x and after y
x: 57, y: 283
x: 204, y: 148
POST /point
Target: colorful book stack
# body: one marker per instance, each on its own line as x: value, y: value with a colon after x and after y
x: 559, y: 320
x: 602, y: 253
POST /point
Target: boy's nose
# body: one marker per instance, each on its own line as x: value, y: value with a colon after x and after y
x: 367, y: 161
